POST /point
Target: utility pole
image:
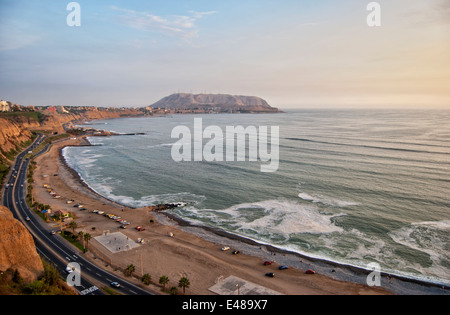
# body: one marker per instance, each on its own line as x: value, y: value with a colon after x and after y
x: 142, y: 267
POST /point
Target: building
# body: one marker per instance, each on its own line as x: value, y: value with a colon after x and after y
x: 5, y: 106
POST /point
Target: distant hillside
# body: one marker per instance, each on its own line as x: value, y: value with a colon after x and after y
x: 215, y: 102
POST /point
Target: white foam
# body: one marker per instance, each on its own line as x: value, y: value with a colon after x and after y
x: 280, y: 217
x: 432, y: 238
x: 330, y: 201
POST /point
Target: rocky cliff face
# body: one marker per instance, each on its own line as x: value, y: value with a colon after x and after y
x: 223, y: 101
x: 17, y: 248
x: 12, y: 134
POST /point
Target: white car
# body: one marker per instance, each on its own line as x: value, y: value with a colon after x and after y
x: 225, y: 248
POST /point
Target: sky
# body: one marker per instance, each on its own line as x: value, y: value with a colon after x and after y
x: 292, y: 53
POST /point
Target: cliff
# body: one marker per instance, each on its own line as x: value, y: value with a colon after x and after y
x: 13, y: 133
x: 17, y: 248
x: 224, y: 102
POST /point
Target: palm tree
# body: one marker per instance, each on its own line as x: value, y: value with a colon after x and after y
x: 129, y: 271
x: 73, y: 225
x: 184, y: 283
x: 81, y: 237
x: 164, y: 280
x: 146, y: 279
x: 87, y: 238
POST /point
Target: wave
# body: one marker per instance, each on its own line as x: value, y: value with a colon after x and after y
x: 431, y: 238
x: 161, y: 145
x: 366, y: 146
x: 268, y: 218
x: 326, y: 200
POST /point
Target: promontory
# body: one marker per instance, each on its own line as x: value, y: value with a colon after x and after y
x: 215, y: 103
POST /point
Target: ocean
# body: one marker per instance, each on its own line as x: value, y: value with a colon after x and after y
x: 352, y: 186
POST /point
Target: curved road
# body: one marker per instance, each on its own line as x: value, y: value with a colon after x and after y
x: 53, y: 247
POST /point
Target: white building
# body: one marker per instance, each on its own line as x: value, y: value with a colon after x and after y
x: 4, y: 106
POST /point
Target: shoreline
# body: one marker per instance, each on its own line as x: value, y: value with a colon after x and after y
x: 334, y: 270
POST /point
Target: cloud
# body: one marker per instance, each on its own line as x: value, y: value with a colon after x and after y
x: 12, y: 37
x: 180, y: 26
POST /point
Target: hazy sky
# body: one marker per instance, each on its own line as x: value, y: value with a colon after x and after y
x: 293, y: 53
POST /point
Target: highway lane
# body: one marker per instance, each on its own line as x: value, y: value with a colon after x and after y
x: 54, y: 247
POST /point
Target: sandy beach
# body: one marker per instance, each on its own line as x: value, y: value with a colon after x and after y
x: 186, y: 254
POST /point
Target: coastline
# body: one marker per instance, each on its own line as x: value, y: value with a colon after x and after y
x: 346, y: 275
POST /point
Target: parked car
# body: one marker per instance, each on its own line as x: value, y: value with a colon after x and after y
x: 225, y: 248
x: 236, y: 252
x: 267, y: 263
x: 283, y: 267
x: 310, y: 272
x: 270, y: 274
x: 140, y: 228
x: 69, y: 270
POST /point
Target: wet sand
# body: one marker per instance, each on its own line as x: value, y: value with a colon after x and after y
x: 193, y: 252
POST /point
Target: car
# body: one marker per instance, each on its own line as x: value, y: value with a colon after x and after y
x: 28, y: 219
x: 283, y: 267
x: 123, y: 226
x: 69, y: 270
x: 267, y: 263
x: 236, y: 252
x: 115, y: 284
x: 53, y: 233
x: 310, y: 272
x: 140, y: 228
x: 270, y: 274
x: 225, y: 248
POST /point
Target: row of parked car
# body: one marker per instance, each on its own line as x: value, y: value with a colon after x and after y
x: 267, y: 263
x: 123, y: 223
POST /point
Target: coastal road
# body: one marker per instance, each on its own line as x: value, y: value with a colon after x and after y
x: 53, y: 247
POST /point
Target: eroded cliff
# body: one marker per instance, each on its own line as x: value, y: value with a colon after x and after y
x: 17, y: 248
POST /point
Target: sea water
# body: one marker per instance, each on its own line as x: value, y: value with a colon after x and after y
x: 353, y: 186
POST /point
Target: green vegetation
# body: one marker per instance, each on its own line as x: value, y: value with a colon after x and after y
x: 4, y: 169
x: 50, y: 139
x: 10, y: 155
x: 129, y: 271
x: 73, y: 239
x: 184, y: 283
x: 146, y: 279
x: 37, y: 116
x: 49, y: 283
x: 164, y: 280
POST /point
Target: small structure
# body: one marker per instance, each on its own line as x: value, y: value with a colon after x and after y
x: 62, y: 213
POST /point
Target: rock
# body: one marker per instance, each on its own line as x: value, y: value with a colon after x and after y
x: 17, y: 248
x: 224, y: 102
